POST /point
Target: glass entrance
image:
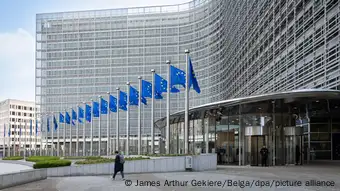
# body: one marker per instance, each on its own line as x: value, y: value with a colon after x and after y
x: 257, y: 142
x: 293, y: 149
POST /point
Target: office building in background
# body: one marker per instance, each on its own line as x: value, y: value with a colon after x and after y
x: 238, y: 49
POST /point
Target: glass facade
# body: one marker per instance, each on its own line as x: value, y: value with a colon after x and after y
x: 238, y: 48
x: 238, y: 131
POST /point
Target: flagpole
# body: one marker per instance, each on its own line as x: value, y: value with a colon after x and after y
x: 4, y: 147
x: 139, y: 115
x: 46, y: 149
x: 108, y: 146
x: 70, y: 145
x: 64, y: 135
x: 91, y: 133
x: 152, y: 114
x: 25, y: 141
x: 41, y: 128
x: 127, y: 120
x: 77, y: 132
x: 52, y: 136
x: 84, y: 128
x: 20, y: 131
x: 31, y: 128
x: 100, y: 127
x: 187, y: 88
x: 117, y: 120
x: 9, y: 139
x: 15, y: 140
x: 58, y: 136
x: 35, y: 132
x: 167, y: 133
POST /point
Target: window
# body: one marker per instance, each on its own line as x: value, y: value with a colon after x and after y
x: 19, y: 107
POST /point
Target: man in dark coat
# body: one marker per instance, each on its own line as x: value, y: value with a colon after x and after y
x: 119, y: 165
x: 297, y: 154
x: 264, y: 155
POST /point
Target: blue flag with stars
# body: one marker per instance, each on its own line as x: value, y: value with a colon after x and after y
x: 31, y: 127
x: 36, y: 127
x: 147, y: 90
x: 177, y: 76
x: 61, y: 118
x: 9, y: 130
x: 122, y: 101
x: 67, y: 118
x: 88, y: 113
x: 55, y: 123
x: 193, y: 80
x: 113, y: 104
x: 81, y: 114
x: 103, y: 106
x: 48, y: 124
x: 161, y: 85
x: 74, y: 117
x: 4, y: 130
x: 95, y: 109
x: 134, y: 95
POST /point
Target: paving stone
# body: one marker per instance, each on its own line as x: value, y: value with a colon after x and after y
x: 251, y: 175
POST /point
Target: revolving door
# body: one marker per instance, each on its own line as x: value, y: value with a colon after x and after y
x: 255, y: 139
x: 293, y: 145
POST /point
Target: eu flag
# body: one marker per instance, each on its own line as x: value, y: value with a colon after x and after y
x: 103, y: 106
x: 9, y: 130
x: 36, y: 127
x: 61, y: 118
x: 122, y: 101
x: 67, y: 118
x: 134, y: 95
x: 177, y: 76
x: 193, y: 79
x: 48, y: 124
x: 88, y: 113
x: 95, y: 109
x: 147, y: 90
x: 56, y: 123
x: 20, y: 131
x: 161, y: 85
x: 31, y: 127
x: 74, y: 117
x: 81, y: 114
x: 113, y: 104
x: 4, y: 130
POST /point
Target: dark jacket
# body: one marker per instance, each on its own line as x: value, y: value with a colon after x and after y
x: 118, y: 165
x: 264, y: 152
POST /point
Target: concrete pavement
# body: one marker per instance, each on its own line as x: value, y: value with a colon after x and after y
x: 225, y: 178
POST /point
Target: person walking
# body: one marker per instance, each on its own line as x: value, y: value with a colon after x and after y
x: 264, y: 155
x: 119, y: 165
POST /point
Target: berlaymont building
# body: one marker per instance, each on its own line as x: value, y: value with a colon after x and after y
x: 268, y: 72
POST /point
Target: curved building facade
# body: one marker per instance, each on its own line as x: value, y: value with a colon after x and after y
x: 238, y: 48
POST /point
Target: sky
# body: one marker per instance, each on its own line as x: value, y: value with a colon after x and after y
x: 17, y: 37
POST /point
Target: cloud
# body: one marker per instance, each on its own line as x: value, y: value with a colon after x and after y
x: 17, y: 68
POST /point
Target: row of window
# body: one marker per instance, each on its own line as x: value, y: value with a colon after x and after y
x: 20, y: 107
x: 22, y: 114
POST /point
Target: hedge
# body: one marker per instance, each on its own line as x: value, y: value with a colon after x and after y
x: 98, y: 160
x: 13, y: 158
x: 168, y: 155
x: 74, y: 158
x: 51, y: 164
x: 41, y: 158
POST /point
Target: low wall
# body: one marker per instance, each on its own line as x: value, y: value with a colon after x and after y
x: 204, y: 162
x: 22, y: 177
x: 169, y: 164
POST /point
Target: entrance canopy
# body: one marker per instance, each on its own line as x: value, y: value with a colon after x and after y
x: 218, y: 107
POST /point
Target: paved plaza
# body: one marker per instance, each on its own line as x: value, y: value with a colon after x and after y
x: 9, y: 168
x: 243, y: 178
